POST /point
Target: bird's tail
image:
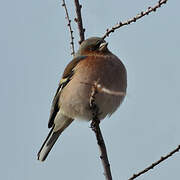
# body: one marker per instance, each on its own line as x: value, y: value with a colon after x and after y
x: 53, y: 136
x: 48, y: 144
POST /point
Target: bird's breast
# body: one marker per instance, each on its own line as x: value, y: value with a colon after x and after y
x: 108, y: 72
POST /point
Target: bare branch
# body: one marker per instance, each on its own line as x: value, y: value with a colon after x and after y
x: 78, y: 20
x: 100, y: 88
x: 163, y: 158
x: 70, y: 28
x: 134, y: 19
x: 100, y: 141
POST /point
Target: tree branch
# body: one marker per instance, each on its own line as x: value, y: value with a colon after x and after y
x: 103, y: 89
x: 163, y: 158
x: 134, y: 19
x: 100, y: 141
x: 78, y: 20
x: 70, y: 28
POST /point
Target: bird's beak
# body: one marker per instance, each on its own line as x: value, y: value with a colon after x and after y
x: 103, y: 46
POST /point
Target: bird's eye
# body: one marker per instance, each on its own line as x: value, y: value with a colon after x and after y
x: 95, y: 47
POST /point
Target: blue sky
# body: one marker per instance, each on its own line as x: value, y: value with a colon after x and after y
x: 34, y: 43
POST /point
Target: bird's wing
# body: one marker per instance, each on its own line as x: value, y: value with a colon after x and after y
x: 68, y: 73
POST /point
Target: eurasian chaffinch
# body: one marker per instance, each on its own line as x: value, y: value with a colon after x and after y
x: 93, y: 62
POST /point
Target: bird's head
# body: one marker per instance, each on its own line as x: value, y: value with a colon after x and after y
x: 93, y: 46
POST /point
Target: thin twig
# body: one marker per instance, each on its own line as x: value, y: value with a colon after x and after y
x: 78, y: 20
x: 100, y: 141
x: 70, y: 28
x: 134, y: 19
x: 103, y: 89
x: 155, y: 163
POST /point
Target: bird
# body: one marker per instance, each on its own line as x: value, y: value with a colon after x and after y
x: 93, y: 62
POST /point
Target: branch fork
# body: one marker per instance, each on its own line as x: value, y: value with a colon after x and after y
x: 95, y: 127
